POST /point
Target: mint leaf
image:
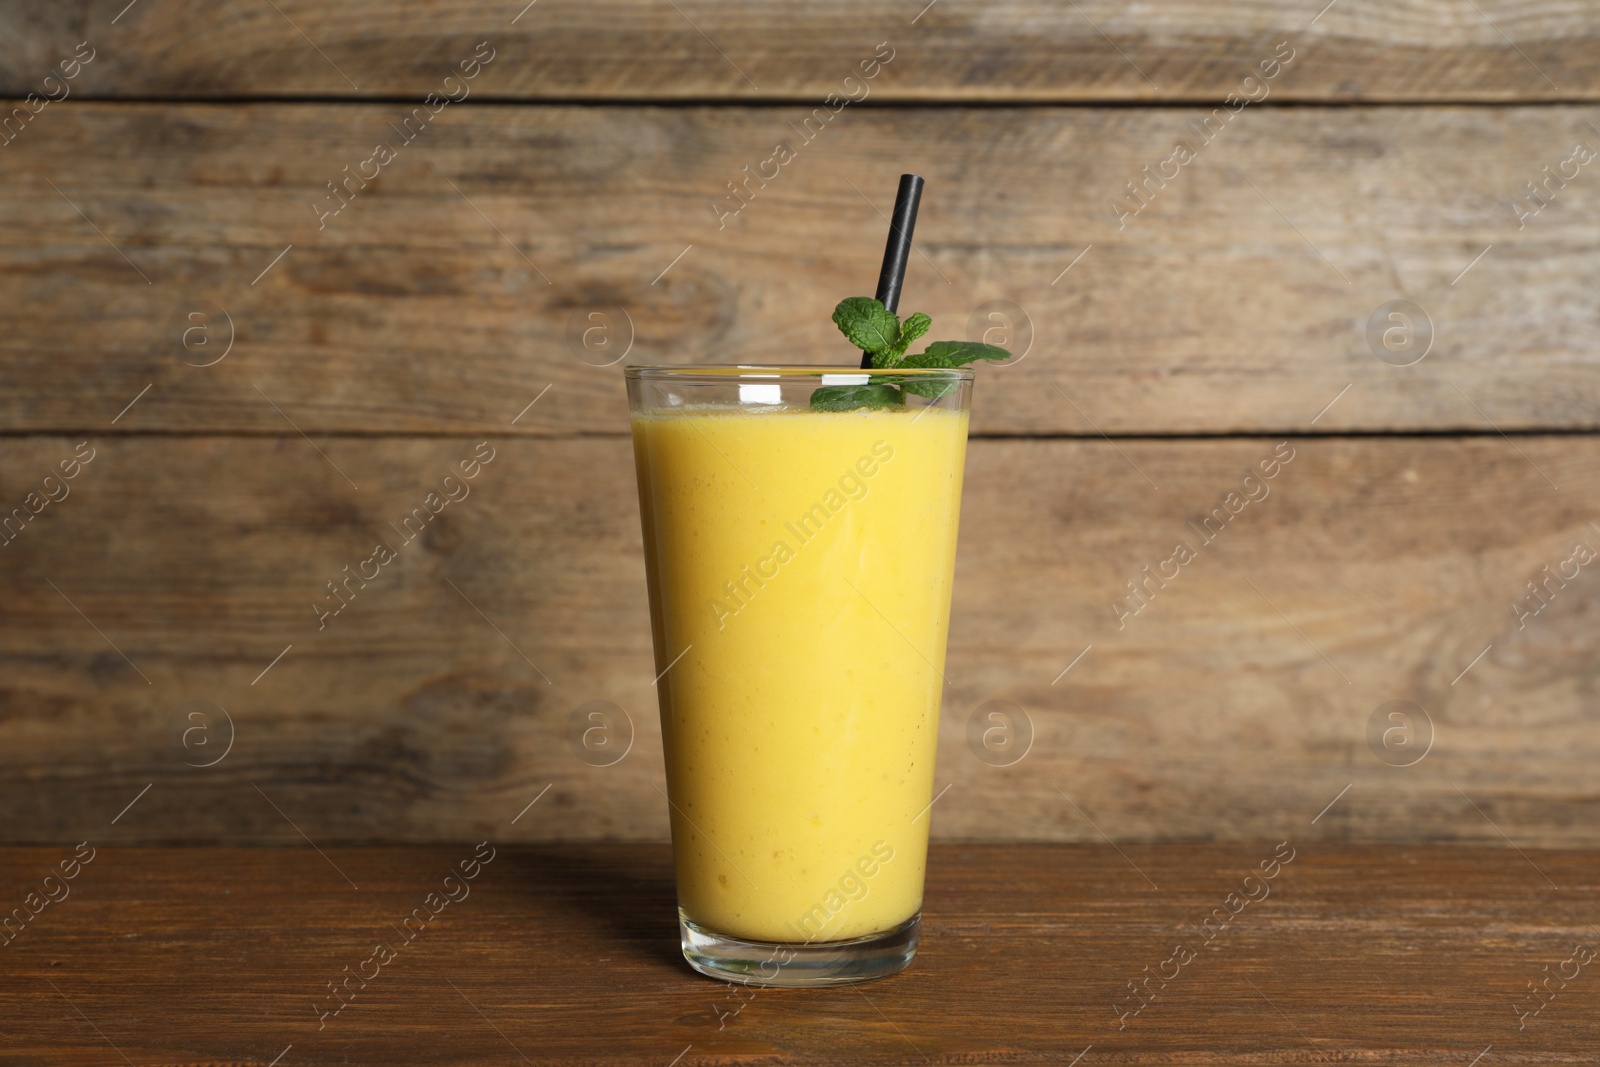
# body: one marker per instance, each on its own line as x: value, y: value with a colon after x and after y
x: 869, y: 325
x: 913, y: 328
x: 948, y: 354
x: 932, y: 388
x: 852, y: 397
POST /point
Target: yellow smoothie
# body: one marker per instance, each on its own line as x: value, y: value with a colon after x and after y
x: 801, y: 565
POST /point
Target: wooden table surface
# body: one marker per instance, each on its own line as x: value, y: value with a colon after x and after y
x: 568, y: 955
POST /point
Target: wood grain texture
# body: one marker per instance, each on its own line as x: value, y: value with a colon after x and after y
x: 449, y: 293
x: 569, y: 956
x: 1498, y: 50
x: 439, y: 703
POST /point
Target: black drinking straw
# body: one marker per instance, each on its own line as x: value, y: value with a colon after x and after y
x: 898, y: 247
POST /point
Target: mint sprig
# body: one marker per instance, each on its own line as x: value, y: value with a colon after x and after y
x: 876, y: 330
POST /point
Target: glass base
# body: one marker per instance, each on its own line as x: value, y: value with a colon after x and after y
x: 816, y: 963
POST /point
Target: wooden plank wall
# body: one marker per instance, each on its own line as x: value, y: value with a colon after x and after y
x: 251, y: 380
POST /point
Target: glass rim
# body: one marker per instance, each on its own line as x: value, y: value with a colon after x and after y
x: 723, y: 372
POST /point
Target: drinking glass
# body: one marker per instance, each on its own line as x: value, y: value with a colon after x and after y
x: 800, y: 564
